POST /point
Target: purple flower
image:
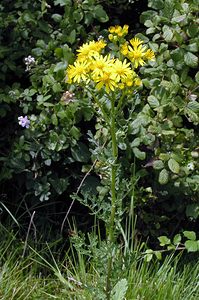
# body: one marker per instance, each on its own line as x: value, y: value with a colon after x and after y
x: 24, y: 122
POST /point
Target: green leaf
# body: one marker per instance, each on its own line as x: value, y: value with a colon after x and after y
x: 164, y: 156
x: 158, y: 165
x: 139, y: 154
x: 153, y: 46
x: 197, y: 77
x: 194, y: 117
x: 80, y: 153
x: 148, y: 23
x: 177, y: 54
x: 158, y: 254
x: 75, y: 132
x: 192, y: 210
x: 156, y: 37
x: 148, y: 255
x: 119, y: 290
x: 72, y: 36
x: 47, y: 162
x: 193, y: 105
x: 151, y: 30
x: 60, y: 185
x: 175, y: 78
x: 136, y: 142
x: 88, y: 18
x: 178, y: 19
x: 164, y: 240
x: 178, y: 37
x: 171, y: 247
x: 192, y: 30
x: 37, y: 52
x: 191, y: 59
x: 90, y: 186
x: 167, y: 33
x: 62, y: 2
x: 177, y: 239
x: 174, y: 166
x: 60, y: 66
x: 192, y: 246
x: 163, y: 177
x: 56, y: 17
x: 153, y: 101
x: 193, y: 47
x: 169, y: 6
x: 191, y: 235
x: 78, y: 15
x: 54, y: 119
x: 156, y: 4
x: 168, y: 132
x: 100, y: 13
x: 57, y: 87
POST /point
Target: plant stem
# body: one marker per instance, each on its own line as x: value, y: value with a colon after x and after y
x: 113, y: 173
x: 105, y: 116
x: 111, y: 231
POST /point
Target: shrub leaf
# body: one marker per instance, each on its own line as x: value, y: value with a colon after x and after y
x: 163, y: 177
x: 191, y: 235
x: 191, y: 59
x: 174, y: 166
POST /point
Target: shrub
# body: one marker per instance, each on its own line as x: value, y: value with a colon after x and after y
x: 166, y: 127
x: 40, y: 39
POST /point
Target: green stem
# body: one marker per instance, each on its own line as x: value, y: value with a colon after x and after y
x: 111, y: 231
x: 120, y: 102
x: 113, y: 173
x: 106, y: 118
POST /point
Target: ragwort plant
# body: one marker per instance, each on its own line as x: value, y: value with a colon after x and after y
x: 107, y: 73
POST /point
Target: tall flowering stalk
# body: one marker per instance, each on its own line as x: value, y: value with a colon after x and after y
x: 112, y: 72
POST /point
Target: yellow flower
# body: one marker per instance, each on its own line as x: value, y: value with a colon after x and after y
x: 99, y: 63
x: 121, y: 86
x: 118, y: 30
x: 100, y: 45
x: 126, y: 28
x: 124, y: 49
x: 128, y: 81
x: 137, y: 81
x: 121, y: 69
x: 135, y: 42
x: 111, y: 36
x: 87, y: 50
x: 78, y: 72
x: 136, y: 55
x: 111, y: 29
x: 149, y: 55
x: 106, y: 80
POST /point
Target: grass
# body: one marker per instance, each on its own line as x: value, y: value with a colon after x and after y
x: 81, y: 274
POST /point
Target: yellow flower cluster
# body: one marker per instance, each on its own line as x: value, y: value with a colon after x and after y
x: 136, y: 52
x: 90, y: 49
x: 117, y: 32
x: 107, y: 71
